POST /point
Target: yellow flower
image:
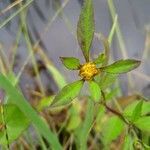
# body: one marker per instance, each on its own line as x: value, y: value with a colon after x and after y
x: 88, y: 71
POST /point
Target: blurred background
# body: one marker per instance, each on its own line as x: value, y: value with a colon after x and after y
x: 35, y: 33
x: 51, y: 25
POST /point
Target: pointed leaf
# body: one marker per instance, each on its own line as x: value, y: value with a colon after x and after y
x: 70, y: 62
x: 85, y: 29
x: 137, y: 111
x: 95, y: 91
x: 128, y: 112
x: 121, y: 66
x: 100, y: 59
x: 143, y: 123
x: 68, y: 93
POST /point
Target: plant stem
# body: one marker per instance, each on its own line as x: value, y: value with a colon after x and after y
x: 113, y: 111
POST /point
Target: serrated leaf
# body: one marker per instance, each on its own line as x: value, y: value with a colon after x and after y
x: 15, y: 121
x: 143, y: 123
x: 100, y: 59
x: 68, y: 93
x: 121, y: 66
x: 70, y: 62
x: 112, y: 129
x: 85, y: 28
x: 137, y: 111
x: 95, y: 91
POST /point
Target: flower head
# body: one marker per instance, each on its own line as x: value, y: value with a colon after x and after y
x: 88, y: 71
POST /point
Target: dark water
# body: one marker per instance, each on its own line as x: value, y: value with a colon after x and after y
x: 59, y: 40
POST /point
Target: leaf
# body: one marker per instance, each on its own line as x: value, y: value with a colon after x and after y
x: 68, y: 93
x: 137, y: 111
x: 121, y: 66
x: 113, y: 93
x: 15, y: 121
x: 112, y: 129
x: 85, y: 28
x: 18, y: 99
x: 128, y: 112
x: 99, y: 117
x: 146, y: 107
x: 45, y: 102
x: 74, y: 116
x: 100, y: 59
x: 143, y: 123
x: 107, y: 80
x: 73, y: 123
x: 95, y: 91
x: 70, y: 62
x: 128, y: 143
x: 83, y: 130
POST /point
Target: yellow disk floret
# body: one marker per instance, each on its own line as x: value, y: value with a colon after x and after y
x: 88, y: 71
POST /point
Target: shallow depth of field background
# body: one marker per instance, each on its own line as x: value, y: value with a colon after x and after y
x: 52, y: 26
x: 58, y: 37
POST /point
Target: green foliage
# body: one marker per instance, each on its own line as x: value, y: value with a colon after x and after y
x: 128, y: 112
x: 70, y: 62
x: 83, y: 130
x: 68, y: 93
x: 107, y: 80
x: 100, y: 59
x: 136, y: 114
x: 45, y: 102
x: 143, y: 123
x: 18, y: 99
x: 128, y: 143
x: 14, y: 120
x: 112, y: 129
x: 121, y: 66
x: 85, y: 29
x: 74, y: 117
x: 95, y: 91
x: 81, y: 116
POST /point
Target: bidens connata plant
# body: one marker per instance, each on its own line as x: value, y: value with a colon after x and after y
x: 91, y: 68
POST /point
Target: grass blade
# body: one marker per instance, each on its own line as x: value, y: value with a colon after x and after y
x: 24, y: 106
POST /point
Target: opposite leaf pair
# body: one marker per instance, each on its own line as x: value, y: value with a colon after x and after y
x: 88, y: 70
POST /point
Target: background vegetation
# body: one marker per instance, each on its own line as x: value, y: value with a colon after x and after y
x: 31, y: 75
